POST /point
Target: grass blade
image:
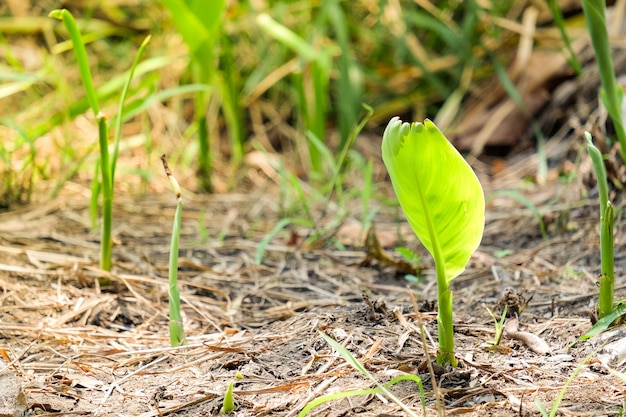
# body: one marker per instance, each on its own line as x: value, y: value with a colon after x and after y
x: 336, y: 396
x: 229, y: 402
x: 359, y: 367
x: 81, y: 56
x: 604, y: 323
x: 260, y: 250
x: 558, y: 20
x: 120, y: 109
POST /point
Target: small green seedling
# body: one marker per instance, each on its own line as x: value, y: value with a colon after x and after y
x: 177, y: 332
x: 499, y: 326
x: 607, y: 277
x: 229, y: 401
x: 107, y: 163
x: 380, y: 388
x: 443, y: 202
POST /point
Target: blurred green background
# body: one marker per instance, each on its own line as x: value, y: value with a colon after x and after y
x: 227, y: 85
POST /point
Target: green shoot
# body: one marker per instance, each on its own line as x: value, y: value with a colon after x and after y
x: 611, y: 94
x: 499, y: 326
x: 106, y: 243
x: 229, y: 402
x: 107, y: 164
x: 120, y: 108
x: 607, y: 277
x: 177, y: 332
x: 380, y: 388
x: 443, y: 202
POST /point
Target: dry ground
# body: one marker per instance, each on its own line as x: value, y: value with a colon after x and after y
x: 85, y: 342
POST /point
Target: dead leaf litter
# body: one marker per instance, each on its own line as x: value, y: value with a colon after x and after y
x: 85, y: 342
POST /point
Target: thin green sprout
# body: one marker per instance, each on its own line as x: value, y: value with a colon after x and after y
x: 107, y: 164
x: 499, y: 324
x: 229, y: 402
x: 559, y: 398
x: 380, y: 388
x: 177, y: 331
x: 607, y: 274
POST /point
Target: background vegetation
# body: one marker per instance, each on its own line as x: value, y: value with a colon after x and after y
x: 220, y: 83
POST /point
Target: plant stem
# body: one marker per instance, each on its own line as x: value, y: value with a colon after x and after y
x: 106, y: 244
x: 444, y: 323
x: 444, y: 305
x: 607, y: 278
x: 177, y: 331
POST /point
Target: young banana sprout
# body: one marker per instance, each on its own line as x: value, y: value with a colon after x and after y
x: 443, y: 202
